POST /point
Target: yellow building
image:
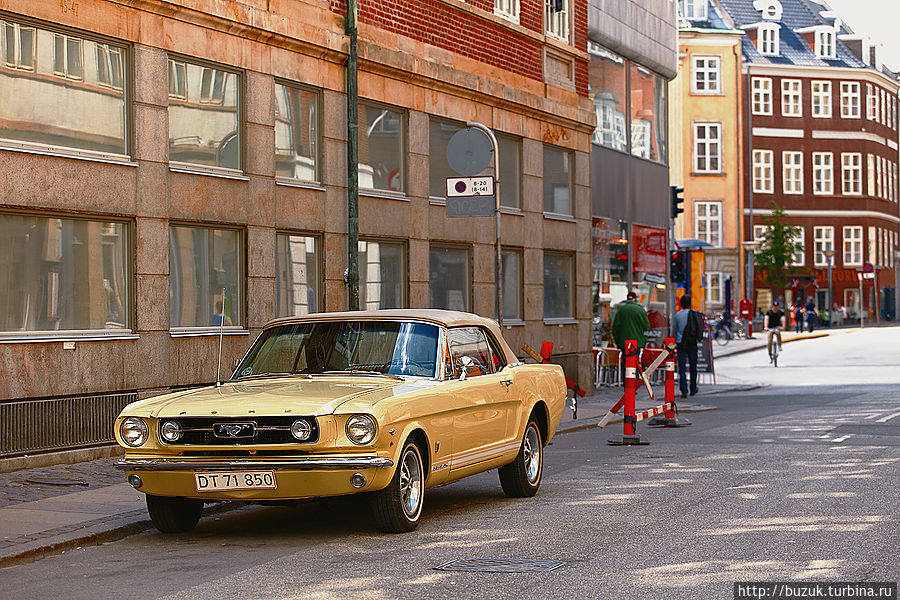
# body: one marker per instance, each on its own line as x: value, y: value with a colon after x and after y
x: 705, y: 121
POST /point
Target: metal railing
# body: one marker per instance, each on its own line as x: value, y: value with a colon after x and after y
x: 59, y: 423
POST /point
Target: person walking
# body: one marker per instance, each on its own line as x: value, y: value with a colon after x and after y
x: 629, y: 323
x: 798, y: 317
x: 811, y: 315
x: 688, y: 331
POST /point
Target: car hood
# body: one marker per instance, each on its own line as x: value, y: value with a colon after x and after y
x: 276, y: 396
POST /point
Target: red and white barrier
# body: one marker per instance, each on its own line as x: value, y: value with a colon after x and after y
x: 670, y: 410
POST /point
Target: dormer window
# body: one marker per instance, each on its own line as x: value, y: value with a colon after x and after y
x: 770, y: 9
x: 694, y: 10
x: 767, y: 41
x: 825, y: 43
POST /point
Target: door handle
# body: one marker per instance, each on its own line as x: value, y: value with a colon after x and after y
x: 506, y: 382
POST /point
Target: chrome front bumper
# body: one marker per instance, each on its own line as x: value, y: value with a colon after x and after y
x: 297, y: 464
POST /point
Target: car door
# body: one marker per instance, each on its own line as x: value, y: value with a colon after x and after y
x: 481, y: 421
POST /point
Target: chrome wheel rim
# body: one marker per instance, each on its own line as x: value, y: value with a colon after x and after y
x: 531, y: 454
x: 411, y: 482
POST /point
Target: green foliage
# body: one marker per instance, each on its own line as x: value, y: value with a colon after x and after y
x: 777, y: 248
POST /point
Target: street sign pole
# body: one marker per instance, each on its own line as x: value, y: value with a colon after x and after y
x: 498, y: 271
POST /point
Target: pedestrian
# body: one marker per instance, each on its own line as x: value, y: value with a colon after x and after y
x: 774, y: 322
x: 629, y: 323
x: 219, y: 318
x: 810, y: 314
x: 798, y: 317
x: 688, y: 332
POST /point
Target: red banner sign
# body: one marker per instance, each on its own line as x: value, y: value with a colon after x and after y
x: 649, y: 247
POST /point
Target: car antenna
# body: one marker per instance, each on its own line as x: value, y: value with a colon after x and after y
x: 221, y: 328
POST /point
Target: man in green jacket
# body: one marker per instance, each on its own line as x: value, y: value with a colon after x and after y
x: 630, y: 323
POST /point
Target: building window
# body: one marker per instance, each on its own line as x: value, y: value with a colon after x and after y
x: 707, y: 147
x: 39, y: 109
x: 64, y: 275
x: 556, y: 19
x: 878, y: 177
x: 382, y: 275
x: 297, y: 275
x: 512, y: 284
x: 648, y: 110
x: 853, y: 246
x: 823, y: 173
x: 824, y: 240
x: 707, y: 75
x: 204, y: 119
x: 884, y: 108
x: 708, y: 222
x: 439, y: 169
x: 799, y: 240
x: 791, y: 98
x: 557, y: 180
x: 851, y: 173
x: 762, y: 171
x: 296, y: 133
x: 759, y: 232
x: 449, y: 282
x: 792, y: 172
x: 510, y: 148
x: 871, y: 173
x: 871, y: 102
x: 768, y: 40
x: 694, y: 10
x: 825, y: 43
x: 821, y: 99
x: 850, y: 100
x: 559, y: 288
x: 606, y: 73
x: 381, y: 148
x: 713, y: 287
x: 206, y: 277
x: 507, y: 8
x: 762, y: 96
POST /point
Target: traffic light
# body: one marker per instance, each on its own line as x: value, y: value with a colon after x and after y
x: 678, y: 266
x: 675, y: 194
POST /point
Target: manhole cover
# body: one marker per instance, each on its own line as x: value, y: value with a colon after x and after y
x: 501, y: 565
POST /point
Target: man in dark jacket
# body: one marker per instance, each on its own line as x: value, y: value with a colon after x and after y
x: 630, y: 323
x: 687, y: 348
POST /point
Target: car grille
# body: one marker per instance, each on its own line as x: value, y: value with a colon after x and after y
x: 211, y: 431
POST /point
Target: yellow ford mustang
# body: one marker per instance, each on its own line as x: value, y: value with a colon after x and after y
x: 385, y: 402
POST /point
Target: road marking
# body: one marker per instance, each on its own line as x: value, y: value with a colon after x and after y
x: 888, y: 418
x: 842, y: 438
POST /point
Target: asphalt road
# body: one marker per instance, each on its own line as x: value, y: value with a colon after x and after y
x: 785, y: 483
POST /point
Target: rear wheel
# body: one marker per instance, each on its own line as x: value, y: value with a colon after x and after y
x: 397, y: 507
x: 174, y: 515
x: 522, y: 477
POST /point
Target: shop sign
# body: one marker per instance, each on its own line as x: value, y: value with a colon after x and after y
x: 649, y: 248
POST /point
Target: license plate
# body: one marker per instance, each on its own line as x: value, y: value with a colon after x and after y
x: 235, y: 480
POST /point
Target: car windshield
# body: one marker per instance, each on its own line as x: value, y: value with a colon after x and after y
x: 388, y: 347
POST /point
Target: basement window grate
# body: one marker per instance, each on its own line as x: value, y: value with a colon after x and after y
x: 501, y: 565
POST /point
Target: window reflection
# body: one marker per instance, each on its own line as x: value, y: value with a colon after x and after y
x: 63, y: 274
x: 438, y: 167
x: 647, y: 114
x: 607, y: 88
x: 512, y: 284
x: 557, y: 181
x: 61, y: 90
x: 296, y: 275
x: 449, y: 280
x: 558, y: 288
x: 203, y: 115
x: 296, y: 133
x: 381, y: 148
x: 382, y: 275
x: 202, y: 263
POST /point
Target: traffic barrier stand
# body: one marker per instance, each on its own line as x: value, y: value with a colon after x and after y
x: 629, y: 434
x: 544, y: 358
x: 670, y: 410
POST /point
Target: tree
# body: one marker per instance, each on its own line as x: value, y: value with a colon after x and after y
x: 778, y: 246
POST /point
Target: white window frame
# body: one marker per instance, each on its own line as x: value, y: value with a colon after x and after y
x: 791, y: 98
x: 763, y: 171
x: 768, y: 39
x: 762, y: 95
x: 825, y: 43
x: 695, y: 10
x: 707, y: 145
x: 508, y: 9
x: 792, y: 172
x: 556, y: 22
x: 871, y: 95
x: 706, y: 74
x: 701, y: 212
x: 851, y: 173
x: 878, y: 178
x: 714, y: 281
x: 853, y: 245
x: 823, y: 173
x: 884, y: 108
x: 871, y: 174
x: 824, y: 240
x: 799, y: 258
x: 70, y: 44
x: 820, y: 99
x: 850, y: 100
x: 16, y: 61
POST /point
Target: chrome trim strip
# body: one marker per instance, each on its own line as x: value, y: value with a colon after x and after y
x: 301, y: 464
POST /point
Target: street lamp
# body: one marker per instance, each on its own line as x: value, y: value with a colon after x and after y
x: 829, y: 256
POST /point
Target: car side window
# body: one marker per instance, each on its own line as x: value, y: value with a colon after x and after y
x: 497, y: 358
x: 470, y: 341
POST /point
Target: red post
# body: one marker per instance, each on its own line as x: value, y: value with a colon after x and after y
x: 669, y: 343
x: 631, y: 384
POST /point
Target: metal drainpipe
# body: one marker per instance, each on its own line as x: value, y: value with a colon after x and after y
x: 352, y: 162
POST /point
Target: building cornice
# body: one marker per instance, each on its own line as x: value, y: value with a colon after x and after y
x: 826, y: 214
x: 823, y: 72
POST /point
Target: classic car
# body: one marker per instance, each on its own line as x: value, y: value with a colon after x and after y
x: 388, y: 403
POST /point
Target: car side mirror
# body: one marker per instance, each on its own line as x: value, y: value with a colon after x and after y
x: 463, y: 364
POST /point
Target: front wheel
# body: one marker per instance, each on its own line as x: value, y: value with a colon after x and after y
x: 522, y: 477
x: 722, y: 336
x: 174, y: 515
x: 397, y: 507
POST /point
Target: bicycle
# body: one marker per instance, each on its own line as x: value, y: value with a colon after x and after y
x: 739, y: 331
x: 722, y: 334
x: 776, y: 345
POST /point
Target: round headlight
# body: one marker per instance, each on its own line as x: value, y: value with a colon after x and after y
x: 134, y: 431
x: 301, y: 430
x: 361, y: 429
x: 170, y: 431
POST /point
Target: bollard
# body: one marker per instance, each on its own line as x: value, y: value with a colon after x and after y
x: 670, y: 418
x: 630, y: 436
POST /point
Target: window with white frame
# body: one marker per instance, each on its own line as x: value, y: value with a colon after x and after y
x: 759, y: 232
x: 507, y: 8
x: 708, y: 222
x: 792, y: 172
x: 68, y: 58
x: 825, y: 43
x: 713, y: 287
x: 799, y: 241
x: 762, y: 171
x: 18, y: 47
x: 791, y: 98
x: 871, y: 94
x: 851, y: 173
x: 768, y: 38
x: 849, y: 100
x: 556, y: 19
x: 884, y: 110
x: 821, y: 99
x: 878, y: 190
x: 876, y: 111
x: 823, y: 173
x: 824, y: 240
x: 707, y: 74
x: 762, y: 96
x: 694, y: 10
x: 871, y: 175
x: 853, y: 246
x: 707, y: 147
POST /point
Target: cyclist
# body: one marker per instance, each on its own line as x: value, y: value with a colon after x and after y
x: 775, y: 321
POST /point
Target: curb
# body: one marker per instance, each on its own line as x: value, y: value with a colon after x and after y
x: 62, y: 457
